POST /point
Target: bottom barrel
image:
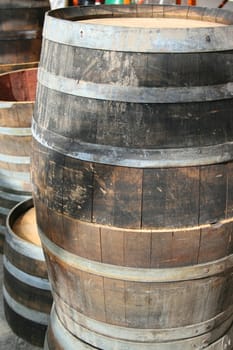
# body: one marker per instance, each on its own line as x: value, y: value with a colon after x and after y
x: 26, y: 289
x: 59, y: 338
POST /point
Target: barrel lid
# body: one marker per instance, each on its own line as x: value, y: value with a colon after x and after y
x: 68, y: 26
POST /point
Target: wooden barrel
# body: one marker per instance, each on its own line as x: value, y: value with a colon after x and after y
x: 17, y: 95
x: 60, y: 338
x: 21, y: 23
x: 132, y: 136
x: 26, y: 289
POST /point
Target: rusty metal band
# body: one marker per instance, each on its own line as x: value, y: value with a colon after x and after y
x: 71, y: 342
x: 134, y: 94
x: 142, y: 275
x: 26, y: 278
x: 78, y: 323
x: 94, y: 36
x: 133, y: 157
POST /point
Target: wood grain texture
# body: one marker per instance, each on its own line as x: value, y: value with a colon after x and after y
x: 20, y: 32
x: 139, y: 305
x: 140, y: 248
x: 112, y: 227
x: 131, y: 197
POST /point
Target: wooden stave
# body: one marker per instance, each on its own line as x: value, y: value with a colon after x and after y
x: 27, y: 18
x: 56, y: 157
x: 15, y: 136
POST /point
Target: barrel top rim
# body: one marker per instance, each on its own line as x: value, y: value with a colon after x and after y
x: 14, y: 213
x: 77, y: 14
x: 66, y: 26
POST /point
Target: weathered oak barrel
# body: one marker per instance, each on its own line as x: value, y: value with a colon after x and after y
x: 26, y: 289
x: 21, y: 23
x: 17, y: 96
x: 132, y: 136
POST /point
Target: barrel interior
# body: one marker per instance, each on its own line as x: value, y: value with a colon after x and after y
x: 25, y: 227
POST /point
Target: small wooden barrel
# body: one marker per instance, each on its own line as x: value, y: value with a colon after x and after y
x: 26, y: 289
x: 132, y: 136
x: 17, y: 95
x: 21, y: 23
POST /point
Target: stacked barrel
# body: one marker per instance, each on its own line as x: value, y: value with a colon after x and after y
x: 133, y: 176
x: 26, y: 290
x: 20, y: 45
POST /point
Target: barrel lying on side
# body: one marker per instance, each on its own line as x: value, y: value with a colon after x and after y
x: 17, y: 95
x: 21, y: 24
x: 133, y: 139
x: 26, y: 289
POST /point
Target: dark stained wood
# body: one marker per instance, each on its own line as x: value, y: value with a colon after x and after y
x: 170, y: 195
x: 32, y: 297
x: 24, y: 328
x: 78, y: 189
x: 212, y: 193
x: 20, y: 33
x: 137, y: 125
x: 114, y: 189
x: 229, y: 209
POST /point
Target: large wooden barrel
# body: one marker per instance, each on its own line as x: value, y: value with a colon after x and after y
x: 21, y: 23
x: 17, y: 95
x: 26, y: 289
x: 132, y: 136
